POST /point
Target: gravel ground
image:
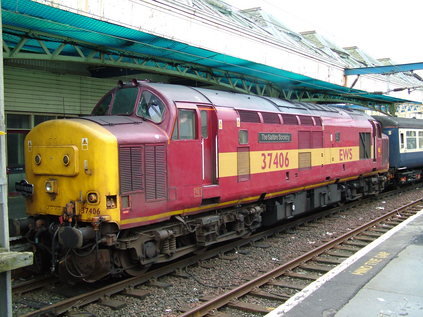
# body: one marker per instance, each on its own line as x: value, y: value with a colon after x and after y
x: 214, y: 276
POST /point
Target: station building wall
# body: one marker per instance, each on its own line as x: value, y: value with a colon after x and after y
x: 32, y: 96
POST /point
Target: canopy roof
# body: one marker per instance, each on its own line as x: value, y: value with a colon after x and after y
x: 34, y: 30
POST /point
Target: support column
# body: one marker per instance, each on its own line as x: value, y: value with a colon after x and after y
x: 5, y: 281
x: 8, y: 260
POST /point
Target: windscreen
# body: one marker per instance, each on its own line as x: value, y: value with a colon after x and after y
x: 124, y: 101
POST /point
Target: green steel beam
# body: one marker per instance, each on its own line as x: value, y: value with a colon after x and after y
x: 45, y: 46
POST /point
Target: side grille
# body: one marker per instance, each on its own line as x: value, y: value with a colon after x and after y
x: 249, y: 116
x: 136, y: 163
x: 269, y: 117
x: 289, y: 119
x: 155, y: 172
x: 130, y: 169
x: 306, y: 120
x: 318, y: 121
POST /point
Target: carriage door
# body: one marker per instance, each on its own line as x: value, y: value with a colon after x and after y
x: 208, y: 144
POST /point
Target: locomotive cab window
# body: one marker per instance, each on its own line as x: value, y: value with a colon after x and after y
x: 103, y: 106
x: 185, y: 125
x: 124, y: 101
x: 151, y: 107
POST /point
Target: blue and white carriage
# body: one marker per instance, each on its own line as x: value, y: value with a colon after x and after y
x: 405, y: 147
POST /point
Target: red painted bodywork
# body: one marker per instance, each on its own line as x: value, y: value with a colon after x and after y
x: 186, y: 189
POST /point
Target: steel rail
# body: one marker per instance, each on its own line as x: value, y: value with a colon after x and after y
x: 109, y: 290
x: 247, y: 287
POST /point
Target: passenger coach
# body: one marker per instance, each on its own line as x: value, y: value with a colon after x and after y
x: 405, y: 146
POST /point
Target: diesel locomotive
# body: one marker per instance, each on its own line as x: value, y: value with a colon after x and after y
x: 159, y: 171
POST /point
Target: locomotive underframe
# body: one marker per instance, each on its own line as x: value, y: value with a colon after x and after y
x: 135, y: 250
x: 92, y: 251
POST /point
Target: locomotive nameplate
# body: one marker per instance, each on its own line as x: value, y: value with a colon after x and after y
x: 270, y: 137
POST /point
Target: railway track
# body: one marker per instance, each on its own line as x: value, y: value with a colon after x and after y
x: 33, y: 284
x: 283, y: 282
x: 129, y: 286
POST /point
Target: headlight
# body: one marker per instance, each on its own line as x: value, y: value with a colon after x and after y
x: 92, y: 198
x: 51, y: 186
x: 66, y: 160
x: 37, y: 159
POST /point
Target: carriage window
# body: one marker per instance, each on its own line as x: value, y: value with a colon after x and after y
x: 411, y: 140
x: 151, y: 107
x: 124, y: 101
x: 420, y: 139
x: 185, y: 127
x: 402, y: 140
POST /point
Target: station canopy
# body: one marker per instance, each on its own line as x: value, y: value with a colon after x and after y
x: 35, y: 31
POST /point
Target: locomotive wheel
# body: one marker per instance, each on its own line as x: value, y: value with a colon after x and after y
x: 133, y: 268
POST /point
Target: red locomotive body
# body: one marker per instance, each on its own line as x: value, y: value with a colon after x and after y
x: 217, y: 149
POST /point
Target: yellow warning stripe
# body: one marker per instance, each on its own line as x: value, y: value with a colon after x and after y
x: 280, y: 160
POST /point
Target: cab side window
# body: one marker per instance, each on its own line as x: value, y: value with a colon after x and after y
x: 151, y: 107
x: 185, y: 125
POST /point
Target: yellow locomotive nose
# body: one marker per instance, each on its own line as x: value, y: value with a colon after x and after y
x: 72, y: 160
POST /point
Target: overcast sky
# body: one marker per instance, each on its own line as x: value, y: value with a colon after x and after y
x: 381, y: 28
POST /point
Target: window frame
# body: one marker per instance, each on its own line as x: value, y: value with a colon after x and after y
x: 176, y: 134
x: 140, y: 98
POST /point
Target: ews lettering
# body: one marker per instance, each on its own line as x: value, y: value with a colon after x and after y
x: 345, y: 154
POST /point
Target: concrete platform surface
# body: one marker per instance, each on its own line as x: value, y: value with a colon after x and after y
x: 384, y: 279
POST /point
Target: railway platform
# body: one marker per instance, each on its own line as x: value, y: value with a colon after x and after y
x: 382, y: 279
